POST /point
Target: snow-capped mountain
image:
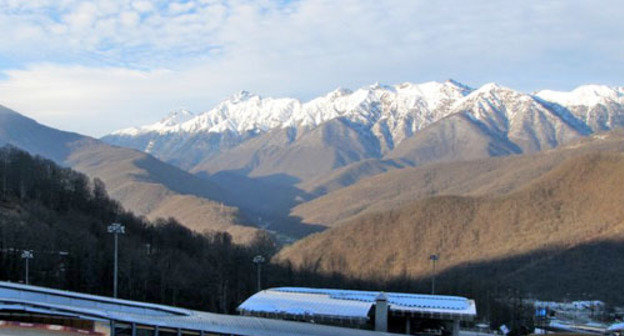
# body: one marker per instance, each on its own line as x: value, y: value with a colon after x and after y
x: 245, y: 112
x: 392, y: 113
x: 273, y: 153
x: 528, y: 122
x: 599, y: 106
x: 371, y: 122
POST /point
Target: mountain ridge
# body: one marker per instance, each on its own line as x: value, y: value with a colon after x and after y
x: 282, y: 142
x: 390, y: 115
x: 140, y: 182
x: 479, y: 177
x: 575, y: 203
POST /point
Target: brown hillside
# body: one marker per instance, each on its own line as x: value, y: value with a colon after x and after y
x: 492, y: 176
x: 578, y: 202
x: 154, y: 189
x: 141, y: 183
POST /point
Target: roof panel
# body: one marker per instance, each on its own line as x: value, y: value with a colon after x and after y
x: 43, y: 300
x: 305, y: 304
x: 351, y: 303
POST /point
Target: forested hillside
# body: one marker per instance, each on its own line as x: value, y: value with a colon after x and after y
x: 484, y: 177
x: 561, y: 234
x: 50, y: 209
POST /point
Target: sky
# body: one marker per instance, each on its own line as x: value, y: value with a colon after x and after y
x: 101, y: 65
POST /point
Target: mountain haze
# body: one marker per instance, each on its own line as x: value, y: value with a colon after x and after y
x: 140, y: 182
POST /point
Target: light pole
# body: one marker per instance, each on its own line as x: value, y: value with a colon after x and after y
x: 433, y: 258
x: 27, y: 255
x: 259, y: 260
x: 116, y: 229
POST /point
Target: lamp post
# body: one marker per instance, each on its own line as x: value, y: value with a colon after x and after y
x: 433, y: 258
x: 259, y: 260
x: 116, y: 229
x: 27, y: 255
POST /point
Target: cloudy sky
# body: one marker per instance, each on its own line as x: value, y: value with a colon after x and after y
x: 96, y: 66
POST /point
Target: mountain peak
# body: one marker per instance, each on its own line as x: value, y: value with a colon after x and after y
x: 494, y: 89
x: 458, y: 84
x: 379, y: 86
x: 584, y: 95
x: 241, y: 96
x: 490, y: 86
x: 598, y: 90
x: 177, y: 117
x: 339, y: 92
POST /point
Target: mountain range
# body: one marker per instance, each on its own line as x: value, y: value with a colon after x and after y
x: 273, y: 154
x: 550, y: 223
x: 140, y: 182
x: 502, y: 184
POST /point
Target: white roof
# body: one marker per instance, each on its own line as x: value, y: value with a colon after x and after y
x: 352, y: 304
x: 616, y: 326
x: 275, y: 301
x: 43, y: 300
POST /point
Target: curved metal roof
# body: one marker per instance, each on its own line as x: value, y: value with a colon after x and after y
x: 354, y: 304
x: 49, y: 301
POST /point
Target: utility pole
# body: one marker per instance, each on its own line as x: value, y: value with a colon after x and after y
x: 433, y: 258
x: 259, y: 260
x: 116, y: 229
x: 27, y: 255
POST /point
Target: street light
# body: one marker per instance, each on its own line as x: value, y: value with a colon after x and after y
x: 116, y: 229
x: 433, y: 258
x: 27, y: 255
x: 259, y: 260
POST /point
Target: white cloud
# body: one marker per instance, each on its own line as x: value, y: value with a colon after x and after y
x: 104, y: 59
x: 142, y: 6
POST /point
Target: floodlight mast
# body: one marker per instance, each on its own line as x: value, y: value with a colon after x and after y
x: 116, y: 229
x: 433, y: 258
x: 27, y: 255
x: 259, y: 260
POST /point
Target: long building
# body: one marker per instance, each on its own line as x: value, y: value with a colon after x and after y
x: 395, y: 312
x: 32, y: 310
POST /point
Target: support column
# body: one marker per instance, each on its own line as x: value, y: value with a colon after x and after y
x: 408, y: 326
x: 455, y: 331
x: 381, y: 312
x: 134, y: 329
x: 156, y: 331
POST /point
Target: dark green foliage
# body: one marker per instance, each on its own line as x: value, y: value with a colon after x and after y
x: 49, y: 209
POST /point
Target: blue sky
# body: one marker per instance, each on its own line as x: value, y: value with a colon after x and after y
x: 96, y: 66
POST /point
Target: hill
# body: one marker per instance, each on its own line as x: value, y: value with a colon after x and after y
x: 47, y: 209
x: 572, y: 214
x: 140, y: 182
x: 492, y: 176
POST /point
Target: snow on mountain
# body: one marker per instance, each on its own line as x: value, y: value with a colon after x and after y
x: 392, y: 113
x: 173, y: 119
x: 389, y: 113
x: 245, y: 111
x: 520, y: 117
x: 598, y: 106
x: 585, y: 95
